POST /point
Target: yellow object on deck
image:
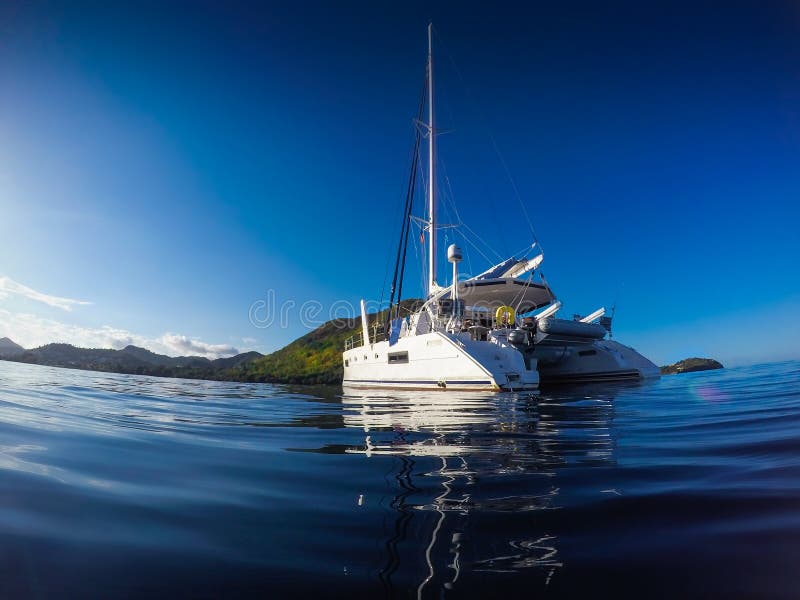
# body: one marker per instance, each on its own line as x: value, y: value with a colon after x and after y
x: 506, y: 311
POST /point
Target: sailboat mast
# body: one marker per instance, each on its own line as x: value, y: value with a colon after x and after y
x: 431, y: 172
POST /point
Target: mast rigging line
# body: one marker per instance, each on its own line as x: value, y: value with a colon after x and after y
x: 495, y: 146
x: 450, y: 197
x: 402, y: 248
x: 391, y: 244
x: 412, y: 157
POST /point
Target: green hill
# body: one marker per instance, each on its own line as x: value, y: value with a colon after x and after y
x: 314, y: 358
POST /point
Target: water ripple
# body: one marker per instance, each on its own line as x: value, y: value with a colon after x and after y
x: 670, y: 488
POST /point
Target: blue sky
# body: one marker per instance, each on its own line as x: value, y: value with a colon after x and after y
x: 169, y: 163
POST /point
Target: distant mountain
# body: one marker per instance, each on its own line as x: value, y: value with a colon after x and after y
x: 162, y: 360
x: 9, y: 348
x: 236, y: 361
x: 146, y: 356
x: 131, y: 359
x: 690, y: 365
x: 314, y: 358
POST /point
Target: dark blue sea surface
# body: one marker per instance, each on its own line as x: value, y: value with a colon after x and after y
x: 119, y: 486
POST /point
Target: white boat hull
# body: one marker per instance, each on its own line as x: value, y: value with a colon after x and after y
x: 438, y: 360
x: 600, y: 360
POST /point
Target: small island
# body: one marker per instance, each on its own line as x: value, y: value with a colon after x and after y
x: 690, y: 365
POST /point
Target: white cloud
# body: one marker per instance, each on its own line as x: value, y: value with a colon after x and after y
x: 180, y: 344
x: 9, y: 286
x: 31, y: 331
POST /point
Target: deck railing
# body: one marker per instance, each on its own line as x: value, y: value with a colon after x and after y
x: 376, y: 335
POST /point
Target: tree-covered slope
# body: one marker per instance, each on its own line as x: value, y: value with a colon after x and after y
x: 314, y: 358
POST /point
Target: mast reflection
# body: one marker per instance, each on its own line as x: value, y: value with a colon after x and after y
x: 465, y: 462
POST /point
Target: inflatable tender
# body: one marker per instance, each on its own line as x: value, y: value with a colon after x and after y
x: 575, y: 329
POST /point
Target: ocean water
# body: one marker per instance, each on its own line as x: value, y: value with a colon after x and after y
x: 119, y: 486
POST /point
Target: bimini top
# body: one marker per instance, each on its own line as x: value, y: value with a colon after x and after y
x: 523, y: 295
x: 503, y: 285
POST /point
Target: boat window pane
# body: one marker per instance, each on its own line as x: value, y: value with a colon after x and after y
x: 398, y: 357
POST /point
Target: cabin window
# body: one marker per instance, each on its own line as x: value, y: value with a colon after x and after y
x: 346, y: 363
x: 587, y: 352
x: 448, y: 307
x: 398, y: 357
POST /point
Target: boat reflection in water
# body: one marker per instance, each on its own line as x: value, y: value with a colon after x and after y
x: 474, y: 477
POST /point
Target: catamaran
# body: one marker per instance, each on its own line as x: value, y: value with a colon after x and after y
x: 480, y: 333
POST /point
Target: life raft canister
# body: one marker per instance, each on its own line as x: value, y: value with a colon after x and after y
x: 505, y: 311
